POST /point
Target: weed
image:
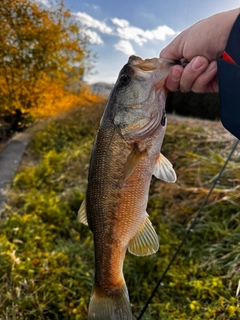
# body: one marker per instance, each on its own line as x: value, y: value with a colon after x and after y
x: 46, y: 256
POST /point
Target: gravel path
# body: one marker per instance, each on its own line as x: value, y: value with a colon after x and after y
x: 10, y: 158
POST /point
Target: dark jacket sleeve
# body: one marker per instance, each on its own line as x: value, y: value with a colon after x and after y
x: 229, y: 83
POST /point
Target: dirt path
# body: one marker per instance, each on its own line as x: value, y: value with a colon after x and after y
x: 11, y: 155
x: 10, y: 158
x: 214, y: 128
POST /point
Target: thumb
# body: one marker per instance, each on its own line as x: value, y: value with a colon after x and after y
x: 171, y: 52
x: 174, y: 50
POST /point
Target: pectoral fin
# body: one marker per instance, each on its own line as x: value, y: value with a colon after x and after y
x: 82, y: 215
x: 164, y: 170
x: 133, y: 159
x: 146, y: 240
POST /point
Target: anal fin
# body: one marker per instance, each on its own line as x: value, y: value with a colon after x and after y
x: 146, y: 241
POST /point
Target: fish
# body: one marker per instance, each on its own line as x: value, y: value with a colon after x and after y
x: 125, y: 155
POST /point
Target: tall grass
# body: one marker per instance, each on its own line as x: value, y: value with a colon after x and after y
x: 46, y: 257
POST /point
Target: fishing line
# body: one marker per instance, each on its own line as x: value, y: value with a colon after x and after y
x: 215, y: 181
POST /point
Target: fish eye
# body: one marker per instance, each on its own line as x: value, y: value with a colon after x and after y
x: 124, y: 79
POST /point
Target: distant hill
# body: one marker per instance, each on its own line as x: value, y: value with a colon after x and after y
x: 102, y: 88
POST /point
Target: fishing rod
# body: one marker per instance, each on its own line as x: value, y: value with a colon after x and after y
x: 215, y: 181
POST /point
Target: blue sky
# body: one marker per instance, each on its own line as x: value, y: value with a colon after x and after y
x: 117, y: 29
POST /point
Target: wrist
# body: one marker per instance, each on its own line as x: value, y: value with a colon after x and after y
x: 224, y: 21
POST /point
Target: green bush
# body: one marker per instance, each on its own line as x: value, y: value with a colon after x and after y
x: 46, y: 256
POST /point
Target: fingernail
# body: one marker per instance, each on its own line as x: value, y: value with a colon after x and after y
x: 176, y: 75
x: 212, y: 66
x: 197, y: 63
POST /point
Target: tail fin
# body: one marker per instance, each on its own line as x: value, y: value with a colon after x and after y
x: 114, y: 305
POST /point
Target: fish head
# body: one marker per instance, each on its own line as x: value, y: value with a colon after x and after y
x: 137, y: 102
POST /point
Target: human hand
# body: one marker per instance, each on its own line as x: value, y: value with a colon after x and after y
x: 201, y: 44
x: 198, y: 76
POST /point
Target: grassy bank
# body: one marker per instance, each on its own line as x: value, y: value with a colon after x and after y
x: 46, y: 259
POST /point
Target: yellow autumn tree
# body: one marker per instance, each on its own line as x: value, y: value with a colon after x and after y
x: 43, y: 55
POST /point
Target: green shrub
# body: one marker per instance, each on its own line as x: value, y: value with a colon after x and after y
x: 46, y: 256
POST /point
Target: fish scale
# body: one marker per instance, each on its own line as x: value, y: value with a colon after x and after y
x: 125, y: 154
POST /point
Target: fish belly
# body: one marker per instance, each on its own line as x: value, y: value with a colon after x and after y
x: 116, y: 210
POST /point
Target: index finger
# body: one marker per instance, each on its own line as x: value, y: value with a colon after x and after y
x: 192, y: 71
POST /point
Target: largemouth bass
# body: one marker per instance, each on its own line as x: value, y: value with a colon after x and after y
x: 125, y: 155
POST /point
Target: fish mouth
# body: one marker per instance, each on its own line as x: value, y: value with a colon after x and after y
x: 144, y: 69
x: 150, y: 64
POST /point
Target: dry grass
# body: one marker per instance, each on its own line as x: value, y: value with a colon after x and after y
x: 42, y: 244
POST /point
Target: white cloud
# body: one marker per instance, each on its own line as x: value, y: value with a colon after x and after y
x: 132, y: 33
x: 141, y: 36
x: 93, y: 37
x: 125, y: 47
x: 122, y: 29
x: 90, y: 22
x: 120, y: 22
x: 95, y: 7
x: 160, y: 33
